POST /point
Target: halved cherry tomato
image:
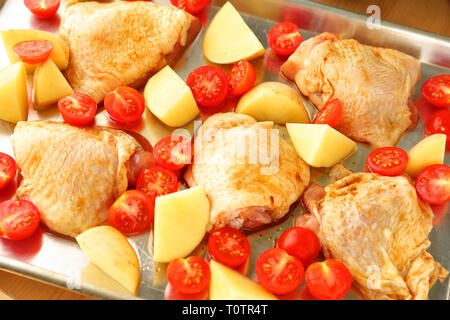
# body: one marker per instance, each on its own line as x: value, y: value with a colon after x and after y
x: 229, y: 246
x: 8, y: 169
x: 279, y: 272
x: 330, y: 113
x: 173, y: 152
x: 124, y: 104
x: 433, y: 184
x: 328, y: 280
x: 284, y: 38
x: 242, y: 77
x: 78, y: 109
x: 173, y: 294
x: 19, y: 219
x: 301, y: 243
x: 190, y: 275
x: 191, y: 6
x: 387, y: 161
x: 132, y: 213
x: 439, y: 122
x: 43, y: 8
x: 436, y: 90
x: 33, y: 51
x: 209, y: 86
x: 157, y: 181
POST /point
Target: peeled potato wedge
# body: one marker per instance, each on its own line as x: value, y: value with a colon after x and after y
x: 13, y: 93
x: 180, y: 223
x: 228, y: 284
x: 59, y: 55
x: 273, y: 101
x: 229, y: 39
x: 110, y: 250
x: 428, y: 151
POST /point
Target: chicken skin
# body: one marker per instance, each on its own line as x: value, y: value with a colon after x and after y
x: 373, y: 84
x: 122, y: 43
x: 378, y: 227
x: 251, y: 175
x: 74, y: 174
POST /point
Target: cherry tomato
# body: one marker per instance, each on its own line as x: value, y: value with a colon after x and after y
x: 190, y: 275
x: 43, y: 8
x: 19, y: 219
x: 124, y: 104
x: 242, y: 77
x: 439, y: 122
x: 173, y: 294
x: 284, y: 38
x: 279, y: 272
x: 328, y: 280
x: 78, y: 109
x: 387, y: 161
x: 8, y: 169
x: 191, y: 6
x: 301, y: 243
x: 229, y: 246
x: 157, y: 181
x: 173, y: 152
x: 209, y: 86
x: 433, y: 184
x: 33, y: 51
x: 436, y: 90
x: 330, y: 113
x: 132, y: 213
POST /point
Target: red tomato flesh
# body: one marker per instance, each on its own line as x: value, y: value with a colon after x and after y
x: 173, y: 152
x: 124, y: 104
x: 8, y: 169
x: 43, y: 8
x: 284, y: 38
x: 439, y: 122
x: 132, y: 213
x: 242, y: 77
x: 77, y: 109
x: 328, y: 280
x: 301, y: 243
x: 19, y: 219
x: 388, y: 161
x: 33, y: 51
x: 229, y: 246
x: 433, y: 184
x: 191, y: 6
x: 279, y: 272
x: 209, y: 86
x: 157, y: 181
x: 190, y: 275
x: 173, y: 294
x: 330, y: 113
x: 436, y: 90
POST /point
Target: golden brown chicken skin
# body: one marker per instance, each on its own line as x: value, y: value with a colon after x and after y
x: 378, y: 227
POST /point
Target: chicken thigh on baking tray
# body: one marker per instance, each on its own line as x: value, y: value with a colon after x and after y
x: 373, y: 84
x: 74, y: 174
x: 378, y: 227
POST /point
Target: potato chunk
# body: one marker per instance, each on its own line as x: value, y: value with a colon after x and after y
x: 428, y: 151
x: 13, y: 93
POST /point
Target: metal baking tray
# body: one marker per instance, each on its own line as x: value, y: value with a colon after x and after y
x: 50, y: 258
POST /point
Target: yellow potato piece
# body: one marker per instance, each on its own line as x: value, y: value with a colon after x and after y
x: 228, y: 284
x: 319, y: 144
x: 228, y: 38
x: 59, y: 55
x: 13, y: 93
x: 110, y: 250
x: 273, y: 101
x: 170, y: 99
x: 180, y: 223
x: 430, y: 150
x: 50, y: 85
